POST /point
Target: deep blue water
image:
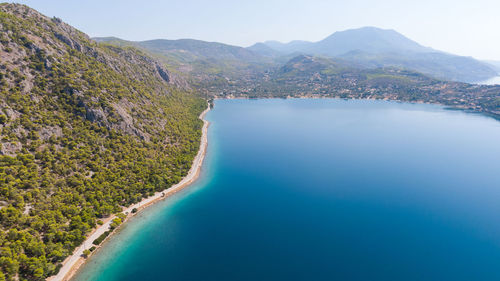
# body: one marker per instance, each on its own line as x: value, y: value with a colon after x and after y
x: 325, y: 190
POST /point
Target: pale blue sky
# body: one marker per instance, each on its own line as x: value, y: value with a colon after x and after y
x: 463, y: 27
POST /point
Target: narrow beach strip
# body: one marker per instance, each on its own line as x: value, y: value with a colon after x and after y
x: 73, y: 262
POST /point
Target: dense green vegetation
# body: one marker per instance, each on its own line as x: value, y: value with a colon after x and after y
x: 101, y: 238
x: 86, y: 129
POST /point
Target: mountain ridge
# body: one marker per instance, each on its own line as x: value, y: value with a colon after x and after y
x: 377, y: 47
x: 198, y: 48
x: 367, y: 47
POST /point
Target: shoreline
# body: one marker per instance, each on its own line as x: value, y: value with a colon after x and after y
x: 73, y: 262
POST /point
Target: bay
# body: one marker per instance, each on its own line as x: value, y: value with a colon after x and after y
x: 325, y: 189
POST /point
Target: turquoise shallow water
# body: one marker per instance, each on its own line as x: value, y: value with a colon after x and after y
x: 325, y: 190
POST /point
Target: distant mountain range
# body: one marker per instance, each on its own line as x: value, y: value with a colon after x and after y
x: 364, y: 48
x: 193, y: 49
x: 200, y: 60
x: 372, y: 47
x: 366, y: 39
x: 360, y: 63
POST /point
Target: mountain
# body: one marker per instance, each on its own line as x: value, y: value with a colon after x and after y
x: 367, y: 47
x: 190, y: 50
x: 308, y: 65
x: 374, y: 47
x: 85, y: 129
x: 198, y: 48
x: 367, y: 39
x: 264, y: 50
x: 201, y: 62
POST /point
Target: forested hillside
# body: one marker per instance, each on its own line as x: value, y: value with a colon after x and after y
x: 86, y: 129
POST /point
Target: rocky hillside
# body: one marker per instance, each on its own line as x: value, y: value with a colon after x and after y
x: 203, y: 64
x: 85, y: 129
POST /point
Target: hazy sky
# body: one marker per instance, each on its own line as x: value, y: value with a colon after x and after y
x: 463, y: 27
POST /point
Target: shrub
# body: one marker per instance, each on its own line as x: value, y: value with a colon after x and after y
x: 86, y: 253
x: 115, y: 223
x: 101, y: 238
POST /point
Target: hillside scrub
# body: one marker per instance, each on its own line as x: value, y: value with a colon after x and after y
x: 85, y: 130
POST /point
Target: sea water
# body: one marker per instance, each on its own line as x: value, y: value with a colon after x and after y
x: 325, y: 189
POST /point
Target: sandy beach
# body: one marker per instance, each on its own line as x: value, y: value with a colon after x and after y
x: 72, y: 263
